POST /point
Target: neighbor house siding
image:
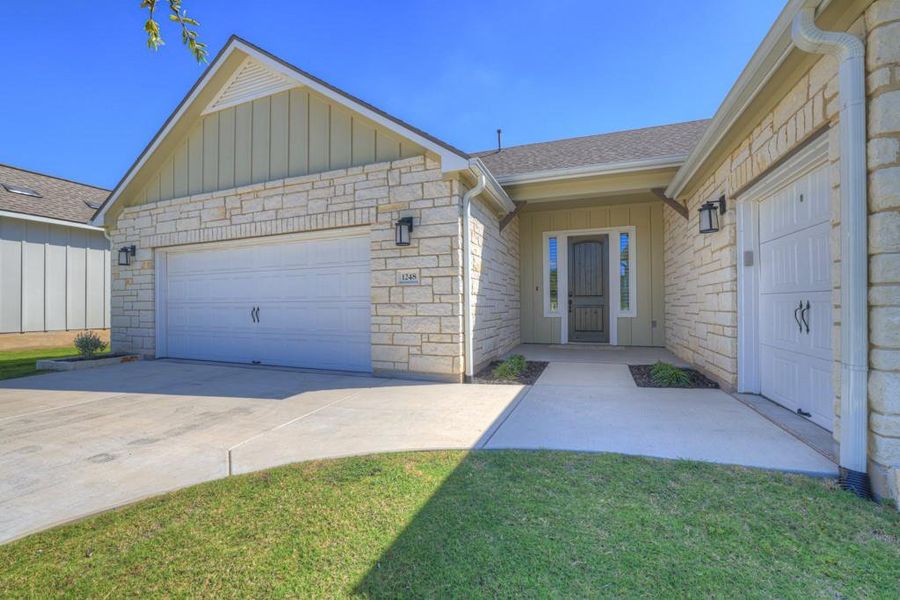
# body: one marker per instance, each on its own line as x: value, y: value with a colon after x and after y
x: 416, y: 329
x: 648, y: 326
x: 701, y: 270
x: 52, y: 277
x: 292, y: 133
x: 495, y: 285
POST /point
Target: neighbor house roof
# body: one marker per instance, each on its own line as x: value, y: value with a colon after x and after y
x: 633, y: 146
x: 59, y: 198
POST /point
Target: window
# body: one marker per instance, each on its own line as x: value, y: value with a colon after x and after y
x: 21, y: 189
x: 626, y: 275
x: 552, y: 276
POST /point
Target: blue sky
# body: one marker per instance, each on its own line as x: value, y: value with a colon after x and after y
x: 83, y: 95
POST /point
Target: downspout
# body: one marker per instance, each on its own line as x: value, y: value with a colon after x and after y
x: 850, y: 53
x: 467, y: 272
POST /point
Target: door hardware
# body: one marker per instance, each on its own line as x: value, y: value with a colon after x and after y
x: 803, y: 413
x: 799, y: 308
x: 257, y: 314
x: 253, y: 314
x: 803, y: 314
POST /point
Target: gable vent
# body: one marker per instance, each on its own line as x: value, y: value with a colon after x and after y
x: 251, y: 80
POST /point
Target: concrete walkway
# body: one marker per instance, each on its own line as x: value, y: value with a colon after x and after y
x: 76, y: 443
x: 598, y: 407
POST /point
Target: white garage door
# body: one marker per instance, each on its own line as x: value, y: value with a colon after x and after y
x: 795, y: 304
x: 299, y: 303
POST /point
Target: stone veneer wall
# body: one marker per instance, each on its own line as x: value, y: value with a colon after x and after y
x: 416, y: 329
x: 495, y: 285
x: 701, y: 270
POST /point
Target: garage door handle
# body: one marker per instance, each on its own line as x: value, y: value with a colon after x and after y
x: 254, y: 314
x: 799, y: 308
x: 803, y: 315
x: 257, y: 314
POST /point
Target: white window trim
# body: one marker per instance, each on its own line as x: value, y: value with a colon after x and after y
x: 562, y: 265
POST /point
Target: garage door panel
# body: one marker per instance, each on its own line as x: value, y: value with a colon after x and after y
x: 313, y: 297
x: 795, y: 301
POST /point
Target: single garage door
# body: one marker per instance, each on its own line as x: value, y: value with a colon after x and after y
x: 795, y: 304
x: 299, y: 302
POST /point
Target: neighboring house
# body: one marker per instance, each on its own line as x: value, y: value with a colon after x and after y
x: 54, y: 266
x: 269, y: 219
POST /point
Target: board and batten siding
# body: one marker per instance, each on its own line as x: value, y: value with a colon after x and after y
x: 52, y: 277
x: 647, y: 218
x: 292, y: 133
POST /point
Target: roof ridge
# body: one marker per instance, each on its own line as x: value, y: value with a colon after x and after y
x: 90, y: 185
x: 590, y: 135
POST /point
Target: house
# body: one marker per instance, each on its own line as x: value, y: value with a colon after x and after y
x: 279, y: 220
x: 54, y: 266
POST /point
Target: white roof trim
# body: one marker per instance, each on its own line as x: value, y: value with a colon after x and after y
x: 630, y: 166
x: 251, y: 80
x: 450, y: 161
x: 772, y: 52
x: 39, y: 219
x: 502, y: 201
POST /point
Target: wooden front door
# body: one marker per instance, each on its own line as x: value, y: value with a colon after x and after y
x: 589, y: 288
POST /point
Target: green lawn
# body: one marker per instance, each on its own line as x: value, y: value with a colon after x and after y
x: 469, y: 525
x: 18, y: 363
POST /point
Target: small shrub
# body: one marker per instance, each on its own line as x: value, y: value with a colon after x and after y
x: 510, y: 368
x: 89, y: 344
x: 667, y: 375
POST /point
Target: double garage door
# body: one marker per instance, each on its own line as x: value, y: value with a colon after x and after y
x: 298, y: 302
x: 795, y: 302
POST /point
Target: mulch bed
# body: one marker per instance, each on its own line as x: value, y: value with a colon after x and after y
x: 533, y: 370
x: 95, y: 357
x: 641, y: 375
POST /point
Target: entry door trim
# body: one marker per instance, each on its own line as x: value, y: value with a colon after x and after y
x: 810, y: 158
x: 562, y: 259
x: 161, y: 269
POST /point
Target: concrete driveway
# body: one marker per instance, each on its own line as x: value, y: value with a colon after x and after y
x: 76, y: 443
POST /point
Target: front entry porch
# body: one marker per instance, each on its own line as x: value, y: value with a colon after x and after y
x: 587, y: 400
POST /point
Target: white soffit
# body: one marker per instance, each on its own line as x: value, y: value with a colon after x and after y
x: 250, y: 80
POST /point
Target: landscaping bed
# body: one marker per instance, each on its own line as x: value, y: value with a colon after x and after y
x: 527, y: 375
x: 643, y: 377
x: 85, y: 362
x: 483, y: 524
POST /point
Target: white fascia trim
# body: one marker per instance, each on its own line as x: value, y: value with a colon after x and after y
x: 450, y: 161
x: 772, y: 52
x: 50, y: 220
x: 98, y: 219
x: 502, y: 202
x: 631, y: 166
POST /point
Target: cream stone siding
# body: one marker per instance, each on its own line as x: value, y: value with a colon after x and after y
x: 647, y: 328
x: 701, y: 270
x: 495, y: 285
x: 416, y: 329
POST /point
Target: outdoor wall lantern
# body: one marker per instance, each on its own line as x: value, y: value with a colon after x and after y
x: 709, y: 215
x: 126, y: 253
x: 402, y: 229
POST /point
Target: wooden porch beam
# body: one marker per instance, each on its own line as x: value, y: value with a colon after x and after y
x: 506, y: 220
x: 675, y: 205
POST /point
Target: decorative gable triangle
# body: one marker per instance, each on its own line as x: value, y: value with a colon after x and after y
x: 251, y: 80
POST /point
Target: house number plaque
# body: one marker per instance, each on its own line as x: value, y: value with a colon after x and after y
x: 407, y: 278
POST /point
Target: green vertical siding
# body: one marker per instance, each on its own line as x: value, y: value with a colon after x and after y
x: 646, y: 217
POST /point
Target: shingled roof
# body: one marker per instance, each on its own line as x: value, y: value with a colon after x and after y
x: 60, y: 198
x: 676, y: 139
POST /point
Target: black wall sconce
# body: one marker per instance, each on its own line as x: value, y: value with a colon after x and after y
x: 709, y: 216
x: 402, y: 229
x: 126, y: 253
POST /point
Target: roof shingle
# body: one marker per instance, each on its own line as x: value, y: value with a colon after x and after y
x: 676, y: 139
x: 60, y: 198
